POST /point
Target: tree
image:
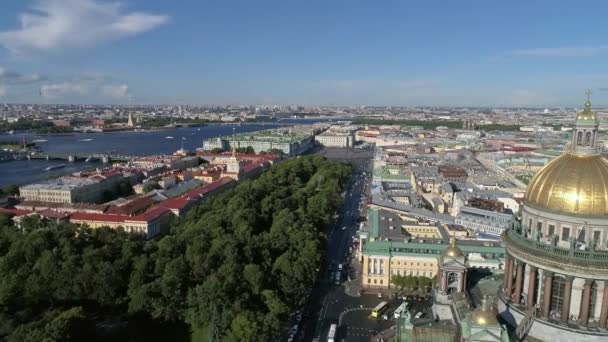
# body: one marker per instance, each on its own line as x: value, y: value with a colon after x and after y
x: 236, y: 265
x: 399, y: 281
x: 425, y: 283
x: 11, y: 189
x: 411, y: 282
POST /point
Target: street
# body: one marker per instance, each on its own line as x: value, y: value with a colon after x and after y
x: 329, y: 302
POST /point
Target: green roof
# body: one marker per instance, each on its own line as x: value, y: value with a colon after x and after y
x: 373, y: 217
x: 413, y: 248
x: 384, y: 174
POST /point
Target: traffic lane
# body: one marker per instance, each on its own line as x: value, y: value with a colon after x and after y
x: 358, y: 325
x: 324, y: 311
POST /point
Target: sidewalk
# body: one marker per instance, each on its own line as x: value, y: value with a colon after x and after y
x: 353, y: 287
x: 385, y: 335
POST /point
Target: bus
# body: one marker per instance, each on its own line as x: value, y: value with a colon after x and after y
x: 379, y: 309
x: 400, y: 310
x: 331, y: 335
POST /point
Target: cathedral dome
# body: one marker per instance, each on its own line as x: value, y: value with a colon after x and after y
x: 485, y: 314
x: 453, y: 251
x: 587, y: 115
x: 571, y: 184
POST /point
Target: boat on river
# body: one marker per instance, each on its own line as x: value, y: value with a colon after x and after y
x: 54, y: 167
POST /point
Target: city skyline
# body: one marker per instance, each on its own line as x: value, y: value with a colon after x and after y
x: 344, y: 53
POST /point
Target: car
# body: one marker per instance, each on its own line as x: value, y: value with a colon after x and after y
x: 385, y: 317
x: 379, y: 295
x: 419, y: 315
x: 343, y: 227
x: 339, y: 267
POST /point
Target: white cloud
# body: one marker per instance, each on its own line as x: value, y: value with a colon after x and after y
x: 55, y: 25
x: 18, y: 78
x: 87, y: 84
x: 116, y: 91
x: 526, y: 97
x: 57, y: 90
x: 570, y: 51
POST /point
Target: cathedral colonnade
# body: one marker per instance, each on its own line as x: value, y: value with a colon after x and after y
x: 557, y: 297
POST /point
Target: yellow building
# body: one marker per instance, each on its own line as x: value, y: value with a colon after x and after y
x: 422, y: 230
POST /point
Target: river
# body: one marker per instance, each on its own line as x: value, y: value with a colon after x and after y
x: 125, y: 143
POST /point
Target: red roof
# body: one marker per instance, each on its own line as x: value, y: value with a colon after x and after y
x: 150, y: 215
x: 250, y: 167
x: 98, y: 217
x: 205, y: 189
x: 175, y: 203
x: 132, y: 207
x: 16, y: 212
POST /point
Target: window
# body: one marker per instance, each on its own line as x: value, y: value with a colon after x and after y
x: 565, y: 233
x: 557, y: 293
x: 596, y: 237
x: 530, y: 225
x: 539, y: 227
x: 380, y: 281
x: 593, y: 300
x: 551, y: 231
x: 369, y: 281
x: 375, y: 281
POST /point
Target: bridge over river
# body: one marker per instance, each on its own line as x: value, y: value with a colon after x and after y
x: 75, y: 157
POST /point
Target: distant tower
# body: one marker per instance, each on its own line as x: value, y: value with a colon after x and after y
x: 233, y: 166
x: 452, y: 269
x: 233, y: 142
x: 130, y: 122
x: 585, y: 131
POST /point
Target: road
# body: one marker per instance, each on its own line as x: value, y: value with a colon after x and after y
x: 329, y: 301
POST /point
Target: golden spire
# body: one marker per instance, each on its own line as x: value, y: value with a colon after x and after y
x: 588, y: 102
x: 234, y: 142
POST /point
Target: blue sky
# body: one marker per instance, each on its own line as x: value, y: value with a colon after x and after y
x: 472, y: 53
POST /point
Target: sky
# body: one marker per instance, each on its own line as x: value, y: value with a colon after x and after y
x: 393, y: 53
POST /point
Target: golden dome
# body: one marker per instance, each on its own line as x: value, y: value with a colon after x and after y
x: 485, y: 314
x: 586, y: 114
x: 452, y: 251
x: 571, y: 184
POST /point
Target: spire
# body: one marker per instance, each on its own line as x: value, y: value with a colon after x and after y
x: 588, y: 102
x: 234, y: 142
x: 130, y: 122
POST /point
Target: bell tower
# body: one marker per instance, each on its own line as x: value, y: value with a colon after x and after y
x: 585, y: 130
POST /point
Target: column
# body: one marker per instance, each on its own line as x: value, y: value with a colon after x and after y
x: 519, y: 282
x: 510, y: 278
x: 507, y: 260
x: 460, y: 282
x: 604, y: 311
x: 548, y: 275
x: 439, y: 283
x: 531, y: 286
x: 567, y: 297
x: 584, y: 313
